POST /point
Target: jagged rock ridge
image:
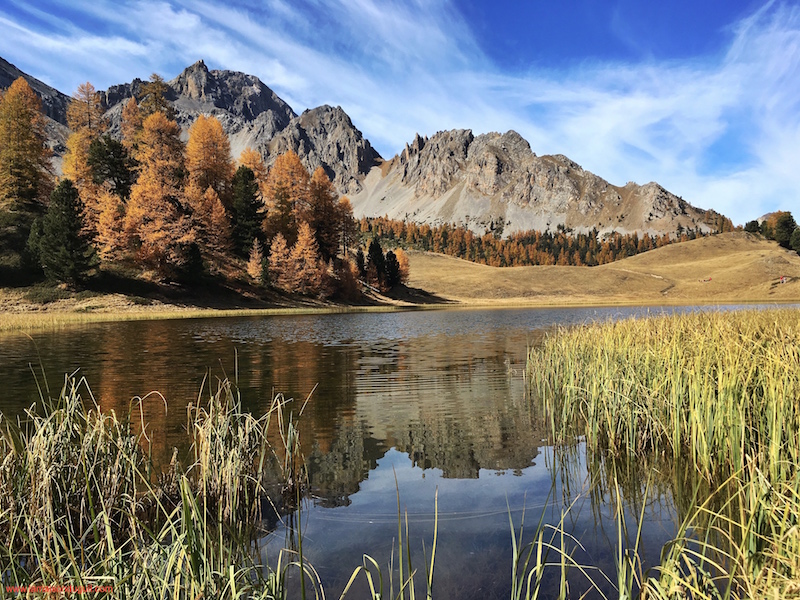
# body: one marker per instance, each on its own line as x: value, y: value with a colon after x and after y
x: 494, y: 181
x: 254, y: 116
x: 489, y: 182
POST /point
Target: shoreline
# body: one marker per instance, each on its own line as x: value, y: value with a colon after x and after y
x: 54, y: 318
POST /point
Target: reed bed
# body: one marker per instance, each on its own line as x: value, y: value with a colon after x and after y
x: 717, y: 395
x: 82, y: 507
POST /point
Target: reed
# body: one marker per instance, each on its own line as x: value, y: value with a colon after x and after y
x: 716, y: 394
x: 81, y: 505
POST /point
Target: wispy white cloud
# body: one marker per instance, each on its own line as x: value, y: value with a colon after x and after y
x: 722, y: 130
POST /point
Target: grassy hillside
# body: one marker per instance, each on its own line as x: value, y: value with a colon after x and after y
x: 730, y: 267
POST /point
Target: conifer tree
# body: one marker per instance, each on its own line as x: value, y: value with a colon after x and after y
x: 392, y: 269
x: 131, y: 127
x: 85, y: 111
x: 110, y: 238
x: 348, y: 225
x: 65, y: 250
x: 256, y: 265
x: 252, y: 159
x: 281, y: 271
x: 376, y: 263
x: 24, y: 158
x: 402, y: 261
x: 245, y: 217
x: 111, y: 165
x: 324, y: 214
x: 153, y: 98
x: 208, y: 156
x: 309, y: 271
x: 157, y: 224
x: 361, y: 265
x: 286, y: 197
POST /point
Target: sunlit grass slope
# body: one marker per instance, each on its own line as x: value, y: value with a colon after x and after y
x: 733, y: 267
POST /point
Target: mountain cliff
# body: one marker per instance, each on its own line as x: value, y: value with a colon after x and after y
x: 489, y: 182
x: 494, y: 182
x: 254, y: 116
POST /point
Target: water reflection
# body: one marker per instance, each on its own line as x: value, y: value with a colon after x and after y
x: 435, y: 398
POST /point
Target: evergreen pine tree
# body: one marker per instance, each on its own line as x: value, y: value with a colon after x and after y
x: 65, y: 251
x: 246, y: 221
x: 376, y: 261
x: 392, y: 269
x: 360, y: 264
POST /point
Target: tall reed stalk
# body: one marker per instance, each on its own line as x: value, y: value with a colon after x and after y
x: 719, y: 392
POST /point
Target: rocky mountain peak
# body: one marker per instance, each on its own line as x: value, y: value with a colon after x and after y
x: 325, y: 136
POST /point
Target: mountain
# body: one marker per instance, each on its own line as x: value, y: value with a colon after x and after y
x: 254, y: 116
x: 489, y: 182
x: 494, y: 182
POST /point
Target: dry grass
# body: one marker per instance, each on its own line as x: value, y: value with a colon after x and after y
x: 741, y: 268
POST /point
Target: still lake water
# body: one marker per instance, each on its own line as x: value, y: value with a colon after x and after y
x: 435, y: 399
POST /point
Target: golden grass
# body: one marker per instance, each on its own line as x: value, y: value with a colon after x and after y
x: 741, y: 268
x: 714, y: 392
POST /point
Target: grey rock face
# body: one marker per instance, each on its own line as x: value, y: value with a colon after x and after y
x: 495, y: 179
x: 325, y: 136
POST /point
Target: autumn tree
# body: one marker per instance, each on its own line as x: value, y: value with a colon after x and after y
x: 110, y: 237
x: 286, y: 196
x: 131, y: 126
x: 159, y: 227
x: 281, y: 269
x: 309, y: 270
x: 245, y: 208
x: 208, y: 156
x: 252, y: 160
x: 65, y: 250
x: 402, y: 262
x: 85, y: 111
x: 257, y: 263
x: 323, y: 214
x: 153, y: 98
x: 24, y: 158
x: 348, y: 225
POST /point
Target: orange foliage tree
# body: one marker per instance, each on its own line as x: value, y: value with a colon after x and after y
x: 208, y: 156
x: 158, y: 226
x: 24, y: 158
x: 286, y: 197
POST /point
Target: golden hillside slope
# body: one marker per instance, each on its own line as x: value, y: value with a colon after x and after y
x: 731, y: 267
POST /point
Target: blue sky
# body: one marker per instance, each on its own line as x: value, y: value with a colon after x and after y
x: 701, y: 96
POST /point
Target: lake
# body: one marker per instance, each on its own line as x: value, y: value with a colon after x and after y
x: 412, y: 401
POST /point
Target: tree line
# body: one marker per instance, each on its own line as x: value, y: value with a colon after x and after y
x: 171, y: 209
x: 779, y: 226
x: 562, y: 247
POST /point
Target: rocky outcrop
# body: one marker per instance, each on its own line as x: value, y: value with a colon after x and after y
x: 494, y: 182
x: 325, y: 136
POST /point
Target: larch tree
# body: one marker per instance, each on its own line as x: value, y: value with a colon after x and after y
x: 281, y: 270
x: 349, y: 226
x: 323, y: 214
x: 131, y: 126
x: 256, y: 264
x: 208, y: 156
x: 110, y: 237
x: 286, y: 196
x: 159, y: 228
x: 25, y: 171
x: 153, y: 98
x: 309, y: 270
x: 402, y: 261
x: 85, y: 111
x: 252, y: 159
